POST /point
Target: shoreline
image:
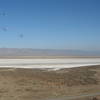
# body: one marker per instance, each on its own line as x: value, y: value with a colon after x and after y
x: 49, y: 68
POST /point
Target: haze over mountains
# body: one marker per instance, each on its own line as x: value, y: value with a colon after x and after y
x: 45, y: 52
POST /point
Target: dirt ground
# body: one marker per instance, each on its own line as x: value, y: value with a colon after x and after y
x: 35, y: 84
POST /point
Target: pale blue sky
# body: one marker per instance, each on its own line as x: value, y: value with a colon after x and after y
x: 50, y: 24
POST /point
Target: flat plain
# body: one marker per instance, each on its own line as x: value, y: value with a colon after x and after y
x: 41, y: 84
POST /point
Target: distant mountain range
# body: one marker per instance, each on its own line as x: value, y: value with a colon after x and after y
x: 45, y: 52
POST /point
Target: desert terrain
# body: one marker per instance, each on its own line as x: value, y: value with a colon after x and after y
x: 43, y: 84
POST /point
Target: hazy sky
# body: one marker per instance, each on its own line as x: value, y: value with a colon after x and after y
x: 54, y: 24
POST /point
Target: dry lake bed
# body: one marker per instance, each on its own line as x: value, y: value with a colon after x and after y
x: 48, y: 63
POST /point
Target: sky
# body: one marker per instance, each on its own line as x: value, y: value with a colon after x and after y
x: 50, y: 24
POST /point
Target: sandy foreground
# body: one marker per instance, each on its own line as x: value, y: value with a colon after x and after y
x: 36, y: 84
